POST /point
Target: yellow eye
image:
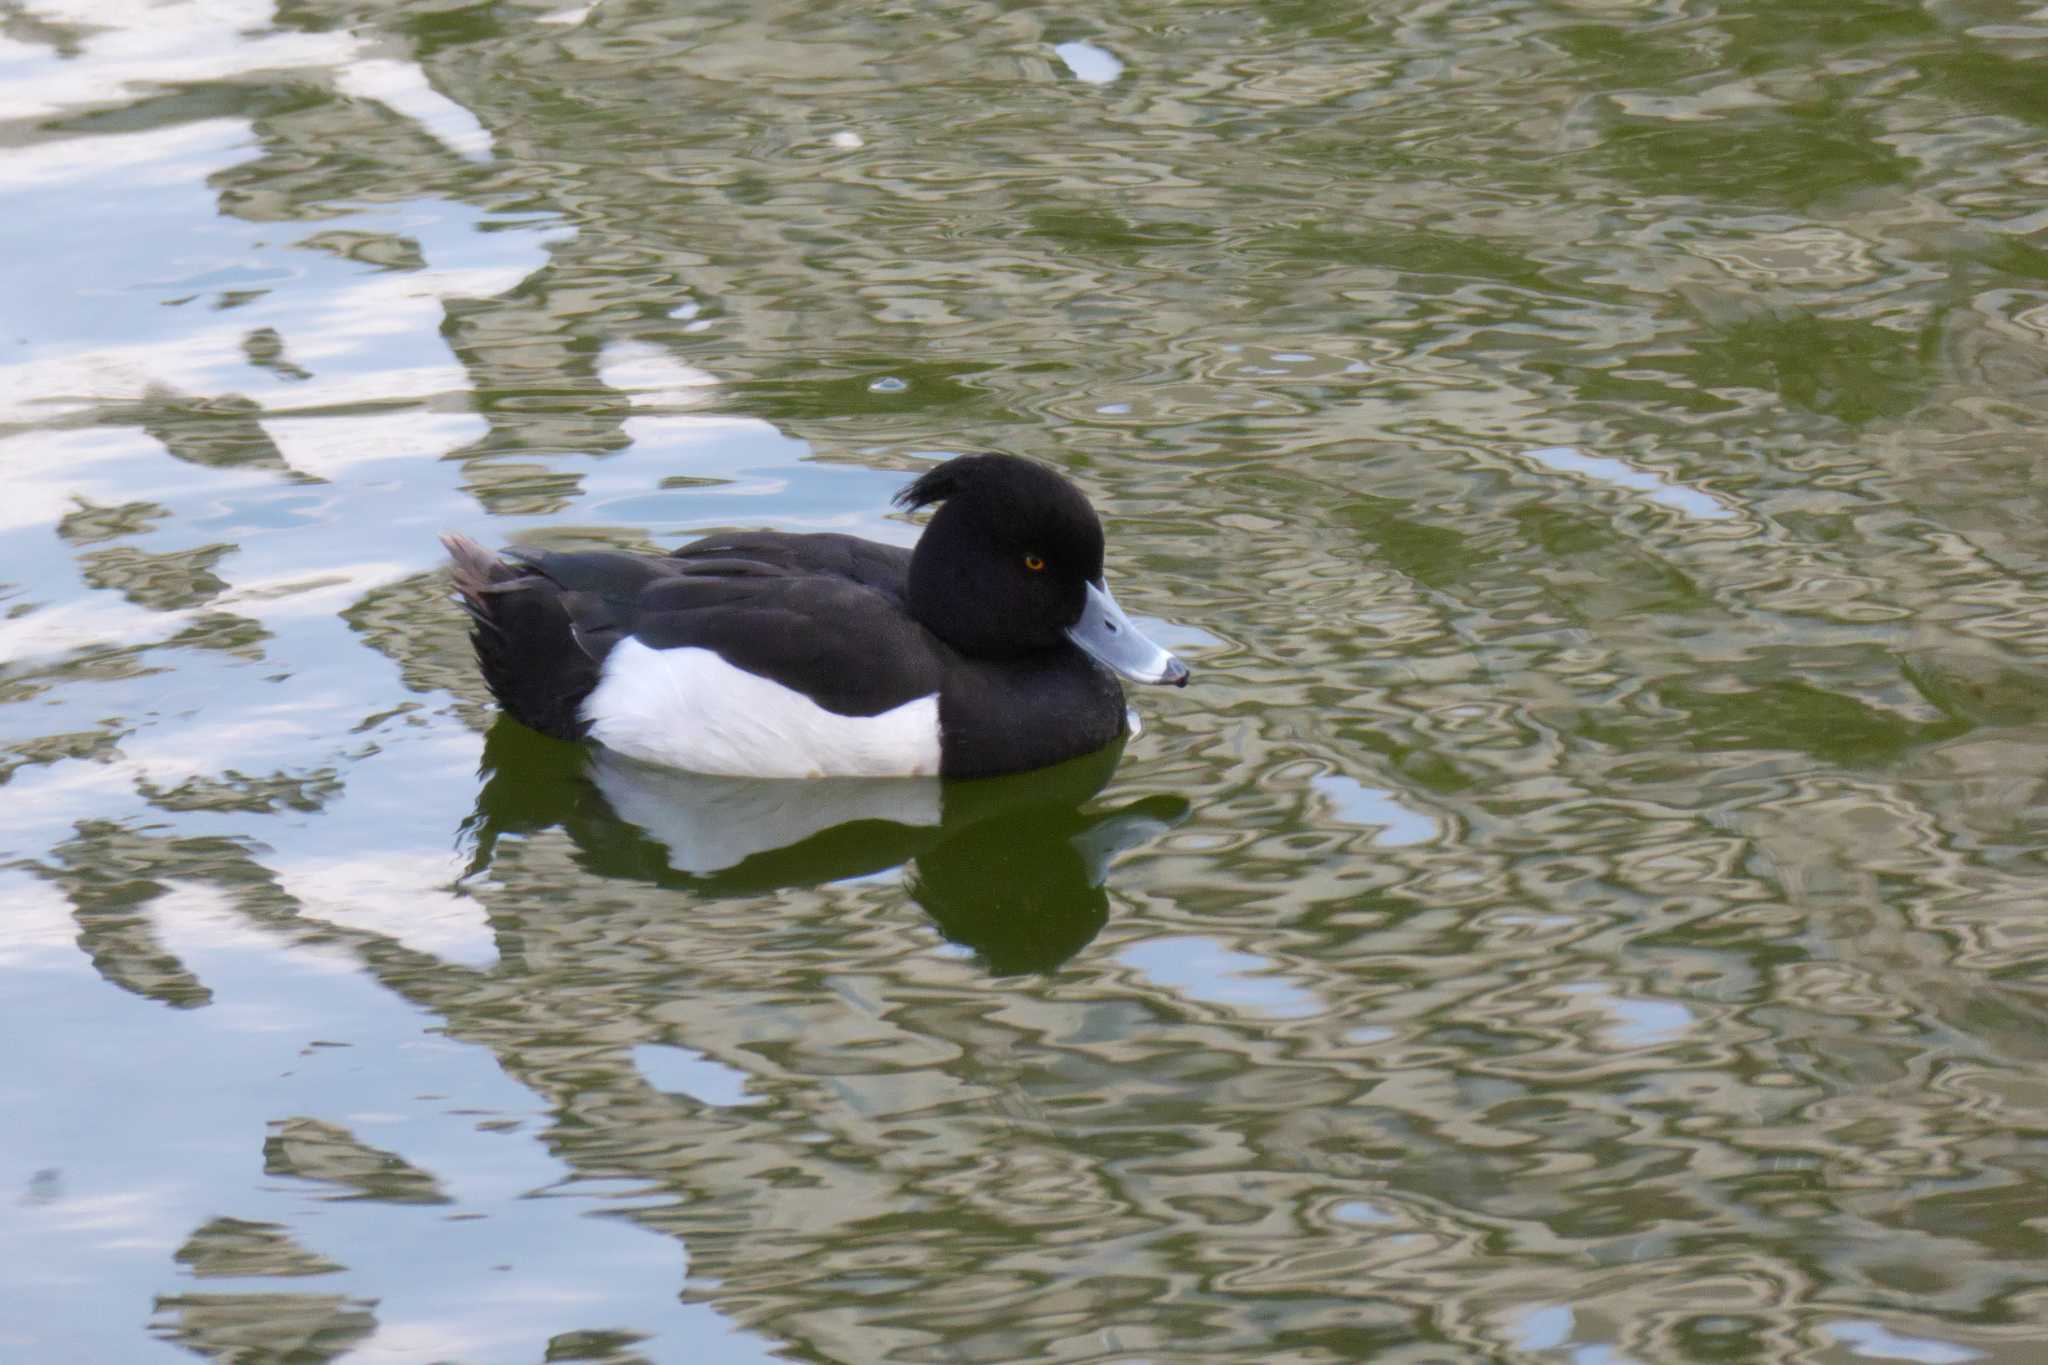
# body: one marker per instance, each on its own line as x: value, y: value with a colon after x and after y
x: 1034, y: 563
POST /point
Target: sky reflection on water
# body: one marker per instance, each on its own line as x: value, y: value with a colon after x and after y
x: 1586, y: 908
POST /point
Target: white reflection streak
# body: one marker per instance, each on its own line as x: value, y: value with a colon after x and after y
x: 138, y: 1219
x: 652, y: 378
x: 1873, y: 1341
x: 135, y: 44
x: 1678, y: 497
x: 404, y: 89
x: 52, y: 384
x: 95, y: 622
x: 686, y: 1071
x: 132, y: 44
x: 401, y: 895
x: 194, y: 920
x: 1203, y: 969
x: 1090, y: 63
x: 150, y: 156
x: 1637, y: 1022
x: 1362, y: 1213
x: 350, y: 324
x: 345, y: 333
x: 63, y: 458
x: 326, y: 447
x: 1357, y: 804
x: 1541, y: 1327
x: 41, y: 933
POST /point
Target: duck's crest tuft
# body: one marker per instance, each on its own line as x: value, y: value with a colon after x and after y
x: 936, y: 485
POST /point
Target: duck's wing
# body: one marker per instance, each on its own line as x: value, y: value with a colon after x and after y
x: 883, y: 568
x: 846, y: 644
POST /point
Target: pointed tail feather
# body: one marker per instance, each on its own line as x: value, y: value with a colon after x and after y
x: 524, y: 641
x: 477, y: 571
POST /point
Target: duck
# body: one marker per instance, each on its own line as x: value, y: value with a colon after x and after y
x: 993, y: 646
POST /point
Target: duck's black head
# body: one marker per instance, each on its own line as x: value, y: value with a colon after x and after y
x: 1004, y: 567
x: 1012, y: 565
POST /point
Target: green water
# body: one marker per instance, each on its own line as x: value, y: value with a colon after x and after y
x: 1588, y: 906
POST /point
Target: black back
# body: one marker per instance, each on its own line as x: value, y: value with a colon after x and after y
x: 821, y: 614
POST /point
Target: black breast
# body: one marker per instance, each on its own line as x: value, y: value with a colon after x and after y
x: 1017, y: 714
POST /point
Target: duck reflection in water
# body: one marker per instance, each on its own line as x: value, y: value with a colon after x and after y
x: 1011, y: 867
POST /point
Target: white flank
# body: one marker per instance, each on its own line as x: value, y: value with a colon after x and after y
x: 688, y: 708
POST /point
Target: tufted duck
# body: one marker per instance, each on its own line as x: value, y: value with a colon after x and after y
x: 987, y: 649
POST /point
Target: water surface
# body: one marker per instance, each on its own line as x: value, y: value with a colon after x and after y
x: 1587, y: 907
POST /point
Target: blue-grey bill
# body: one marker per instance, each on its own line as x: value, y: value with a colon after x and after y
x: 1112, y: 641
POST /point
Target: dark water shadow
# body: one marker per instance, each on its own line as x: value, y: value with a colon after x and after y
x: 1014, y: 868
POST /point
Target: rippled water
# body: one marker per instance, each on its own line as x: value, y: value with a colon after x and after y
x: 1588, y: 907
